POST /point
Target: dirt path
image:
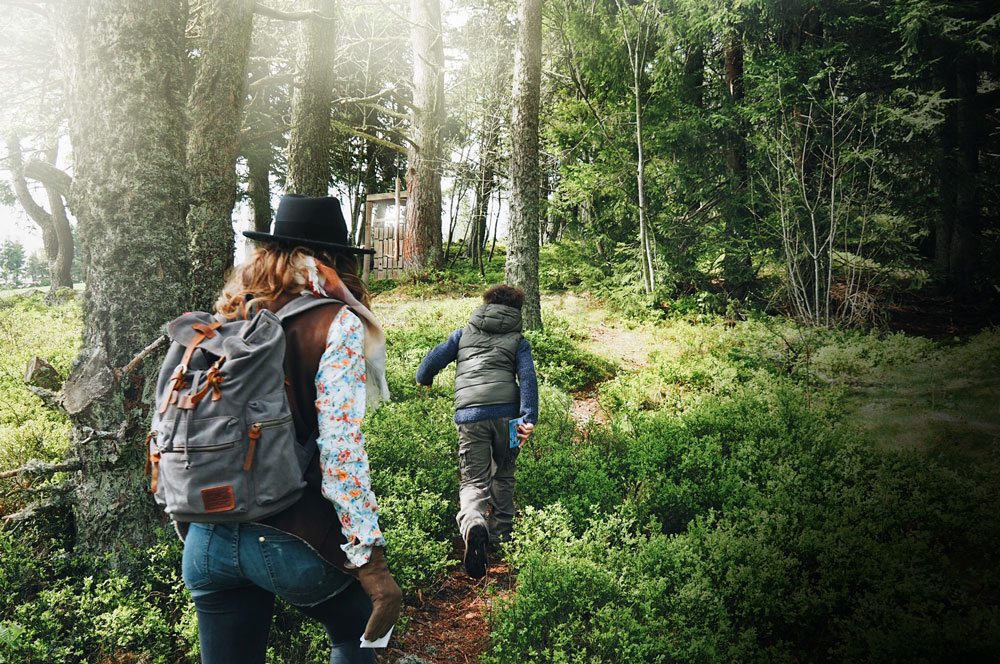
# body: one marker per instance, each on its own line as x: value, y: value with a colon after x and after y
x: 629, y: 349
x: 451, y: 625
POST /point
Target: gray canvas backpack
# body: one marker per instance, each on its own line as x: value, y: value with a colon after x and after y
x: 222, y: 446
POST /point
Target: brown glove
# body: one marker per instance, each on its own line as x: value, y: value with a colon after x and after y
x: 384, y: 593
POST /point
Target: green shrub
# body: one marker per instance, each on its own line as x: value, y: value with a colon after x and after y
x: 560, y: 362
x: 802, y: 543
x: 62, y: 608
x: 416, y: 530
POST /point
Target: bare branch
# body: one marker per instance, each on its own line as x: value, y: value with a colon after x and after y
x: 137, y: 360
x: 386, y: 111
x: 40, y: 469
x: 278, y: 15
x: 286, y: 77
x: 35, y: 7
x: 347, y: 129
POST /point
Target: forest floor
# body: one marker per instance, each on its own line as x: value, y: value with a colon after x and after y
x: 452, y: 624
x: 947, y: 402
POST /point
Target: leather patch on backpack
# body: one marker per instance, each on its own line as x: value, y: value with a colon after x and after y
x: 218, y: 499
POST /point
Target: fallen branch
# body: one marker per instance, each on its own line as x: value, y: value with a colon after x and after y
x: 60, y: 489
x: 48, y: 397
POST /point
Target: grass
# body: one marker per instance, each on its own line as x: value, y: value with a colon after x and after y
x: 945, y: 402
x: 28, y: 429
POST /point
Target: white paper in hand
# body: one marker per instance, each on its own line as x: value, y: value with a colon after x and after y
x: 377, y: 643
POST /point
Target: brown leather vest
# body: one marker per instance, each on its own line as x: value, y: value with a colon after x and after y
x: 313, y: 518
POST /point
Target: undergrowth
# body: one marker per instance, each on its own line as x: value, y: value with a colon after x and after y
x: 729, y: 510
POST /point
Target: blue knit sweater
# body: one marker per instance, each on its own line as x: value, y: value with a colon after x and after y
x: 447, y: 352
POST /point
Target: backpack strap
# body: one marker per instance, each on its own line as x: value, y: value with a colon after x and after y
x: 302, y: 304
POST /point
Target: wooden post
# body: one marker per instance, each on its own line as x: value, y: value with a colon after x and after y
x: 367, y: 260
x: 396, y: 229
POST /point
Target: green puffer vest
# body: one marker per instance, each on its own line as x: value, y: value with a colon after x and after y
x: 487, y: 358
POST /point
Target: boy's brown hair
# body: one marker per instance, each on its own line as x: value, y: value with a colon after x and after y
x: 504, y: 294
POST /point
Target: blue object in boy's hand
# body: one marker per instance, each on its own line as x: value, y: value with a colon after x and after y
x: 514, y: 440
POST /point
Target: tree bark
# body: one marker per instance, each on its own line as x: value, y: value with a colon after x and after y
x: 124, y: 65
x: 215, y: 111
x: 521, y: 268
x: 422, y: 243
x: 309, y: 141
x: 259, y: 188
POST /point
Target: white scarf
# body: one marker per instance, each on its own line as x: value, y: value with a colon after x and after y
x: 323, y: 281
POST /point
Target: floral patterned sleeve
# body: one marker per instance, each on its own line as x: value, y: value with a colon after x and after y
x: 340, y: 404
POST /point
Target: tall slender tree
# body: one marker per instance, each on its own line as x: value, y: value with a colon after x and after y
x: 124, y: 65
x: 215, y: 111
x: 422, y: 245
x: 309, y: 141
x: 522, y: 234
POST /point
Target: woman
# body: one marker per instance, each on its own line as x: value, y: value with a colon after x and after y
x: 324, y: 555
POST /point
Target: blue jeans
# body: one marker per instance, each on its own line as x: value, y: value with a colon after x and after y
x: 234, y: 572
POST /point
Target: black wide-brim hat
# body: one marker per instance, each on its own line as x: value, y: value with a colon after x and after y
x: 309, y: 221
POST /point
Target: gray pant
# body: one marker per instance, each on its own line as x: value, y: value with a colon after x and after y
x: 487, y: 466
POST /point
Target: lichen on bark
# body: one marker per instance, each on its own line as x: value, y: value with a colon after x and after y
x: 123, y: 61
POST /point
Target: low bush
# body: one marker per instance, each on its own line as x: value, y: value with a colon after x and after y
x: 63, y: 608
x: 758, y: 530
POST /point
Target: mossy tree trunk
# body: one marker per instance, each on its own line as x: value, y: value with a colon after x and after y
x: 522, y: 235
x: 422, y: 245
x: 215, y: 113
x: 309, y: 141
x: 123, y: 61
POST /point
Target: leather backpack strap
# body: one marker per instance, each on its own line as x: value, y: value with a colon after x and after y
x: 302, y: 304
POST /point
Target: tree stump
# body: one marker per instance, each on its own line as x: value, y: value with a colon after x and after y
x: 42, y: 374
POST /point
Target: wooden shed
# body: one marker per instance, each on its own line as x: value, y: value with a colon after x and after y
x: 385, y: 229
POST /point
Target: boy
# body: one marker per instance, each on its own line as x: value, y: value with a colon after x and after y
x: 495, y: 382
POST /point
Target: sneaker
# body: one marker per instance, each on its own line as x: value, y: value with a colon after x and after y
x: 475, y: 552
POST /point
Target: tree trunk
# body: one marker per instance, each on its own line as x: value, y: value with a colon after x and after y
x: 57, y: 235
x: 422, y: 243
x: 640, y: 179
x: 485, y: 181
x: 258, y: 153
x: 124, y: 63
x: 967, y: 229
x: 522, y: 235
x: 215, y: 111
x: 736, y: 266
x: 694, y: 76
x: 309, y: 141
x: 259, y: 187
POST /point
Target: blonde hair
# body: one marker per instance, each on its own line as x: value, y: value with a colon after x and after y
x: 271, y: 271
